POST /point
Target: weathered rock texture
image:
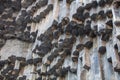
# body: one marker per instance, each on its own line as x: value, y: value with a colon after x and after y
x: 59, y: 40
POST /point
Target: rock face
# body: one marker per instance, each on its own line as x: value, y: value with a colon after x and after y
x: 59, y: 40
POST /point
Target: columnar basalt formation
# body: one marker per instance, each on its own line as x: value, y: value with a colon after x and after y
x: 59, y: 40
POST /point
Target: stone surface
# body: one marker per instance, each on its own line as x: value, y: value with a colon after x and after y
x: 59, y: 40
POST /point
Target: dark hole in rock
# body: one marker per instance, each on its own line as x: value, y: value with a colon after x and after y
x: 68, y: 42
x: 88, y: 22
x: 105, y: 37
x: 24, y: 36
x: 37, y: 60
x: 75, y: 59
x: 22, y: 59
x: 88, y: 44
x: 69, y: 1
x: 102, y: 49
x: 54, y: 25
x: 81, y: 59
x: 92, y: 34
x: 86, y: 67
x: 67, y: 51
x: 15, y: 72
x: 2, y: 42
x: 59, y: 63
x: 20, y: 20
x: 37, y: 19
x: 27, y: 3
x: 86, y: 15
x: 80, y: 9
x: 12, y: 58
x: 88, y: 6
x: 39, y: 71
x: 2, y: 63
x: 45, y: 47
x: 2, y: 27
x: 117, y: 4
x: 116, y: 46
x: 16, y: 6
x: 109, y: 2
x: 29, y: 61
x: 109, y: 59
x: 42, y: 37
x: 94, y: 4
x: 41, y: 53
x: 50, y: 58
x: 72, y: 70
x: 81, y: 29
x: 56, y: 34
x: 50, y: 7
x: 55, y: 53
x: 119, y: 54
x: 109, y: 14
x: 42, y: 15
x: 108, y: 31
x: 28, y: 28
x: 23, y: 13
x: 87, y: 29
x: 94, y: 17
x: 55, y: 44
x: 59, y: 49
x: 51, y: 71
x: 109, y: 23
x: 116, y: 68
x: 54, y: 77
x: 60, y: 0
x: 102, y: 3
x: 79, y: 47
x: 39, y: 78
x: 69, y: 27
x: 34, y: 34
x: 1, y: 8
x: 64, y: 72
x: 63, y: 55
x: 22, y: 65
x: 5, y: 16
x: 10, y: 29
x: 79, y: 17
x: 4, y: 72
x: 1, y: 77
x: 65, y: 21
x: 117, y: 23
x: 34, y: 9
x: 40, y: 4
x: 76, y: 53
x: 75, y: 32
x: 22, y: 78
x: 101, y: 15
